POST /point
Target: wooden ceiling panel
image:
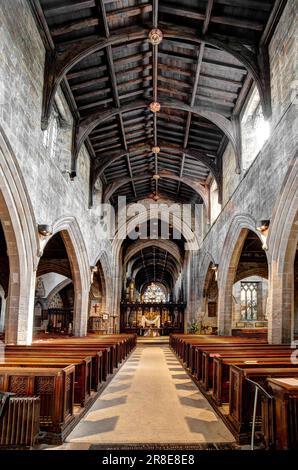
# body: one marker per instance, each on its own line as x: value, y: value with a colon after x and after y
x: 209, y: 48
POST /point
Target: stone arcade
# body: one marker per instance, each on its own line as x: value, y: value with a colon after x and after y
x: 149, y: 219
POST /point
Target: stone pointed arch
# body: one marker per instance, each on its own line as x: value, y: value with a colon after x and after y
x: 71, y: 234
x: 282, y: 245
x: 228, y: 263
x: 166, y: 245
x: 103, y: 263
x: 57, y: 289
x: 23, y: 248
x: 191, y: 246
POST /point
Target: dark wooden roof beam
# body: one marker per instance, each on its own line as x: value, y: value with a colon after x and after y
x: 207, y: 16
x: 226, y: 94
x: 253, y: 4
x: 86, y: 71
x: 220, y: 102
x: 129, y: 11
x: 102, y: 145
x: 223, y: 66
x: 96, y: 104
x: 88, y: 83
x: 144, y: 91
x: 134, y: 70
x: 110, y: 147
x: 173, y: 92
x: 131, y: 83
x: 175, y: 70
x: 103, y: 130
x: 229, y: 81
x: 101, y: 138
x: 174, y: 82
x: 74, y: 26
x: 175, y: 56
x: 133, y: 58
x: 93, y: 94
x: 69, y: 8
x: 230, y: 21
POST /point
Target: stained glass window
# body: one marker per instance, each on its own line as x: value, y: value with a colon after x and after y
x: 249, y: 300
x: 154, y: 293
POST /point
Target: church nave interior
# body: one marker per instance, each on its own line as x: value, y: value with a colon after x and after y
x: 148, y: 225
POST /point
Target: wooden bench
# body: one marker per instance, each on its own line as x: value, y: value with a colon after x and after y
x: 209, y: 355
x: 82, y: 385
x: 54, y: 386
x: 221, y: 371
x: 205, y: 354
x: 280, y: 416
x: 99, y: 359
x: 220, y: 342
x: 242, y: 394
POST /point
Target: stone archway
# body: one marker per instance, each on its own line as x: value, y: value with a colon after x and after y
x: 228, y: 264
x: 80, y: 269
x: 103, y: 265
x: 282, y: 244
x: 22, y: 241
x: 191, y: 246
x: 210, y: 298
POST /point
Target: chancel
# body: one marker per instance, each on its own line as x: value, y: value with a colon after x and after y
x: 148, y: 225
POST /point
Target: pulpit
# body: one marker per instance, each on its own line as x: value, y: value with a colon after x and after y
x: 95, y: 325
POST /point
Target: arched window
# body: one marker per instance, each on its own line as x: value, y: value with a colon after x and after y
x: 154, y: 293
x: 50, y: 136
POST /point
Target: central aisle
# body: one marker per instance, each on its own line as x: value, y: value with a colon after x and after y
x: 151, y: 400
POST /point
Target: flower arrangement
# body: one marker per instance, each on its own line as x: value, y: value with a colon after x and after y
x: 194, y: 327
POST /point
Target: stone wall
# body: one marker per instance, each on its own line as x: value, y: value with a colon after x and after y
x: 53, y: 195
x: 253, y: 195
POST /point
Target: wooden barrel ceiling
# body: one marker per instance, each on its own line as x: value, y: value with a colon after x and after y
x: 156, y: 87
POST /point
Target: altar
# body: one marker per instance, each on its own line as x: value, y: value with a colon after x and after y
x: 151, y: 332
x: 152, y: 319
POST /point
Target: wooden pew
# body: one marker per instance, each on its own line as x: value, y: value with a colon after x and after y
x: 280, y: 416
x: 54, y: 386
x: 221, y: 371
x: 99, y: 359
x: 248, y: 352
x: 220, y: 342
x: 108, y: 351
x: 183, y: 343
x: 82, y: 385
x: 242, y: 394
x: 204, y: 354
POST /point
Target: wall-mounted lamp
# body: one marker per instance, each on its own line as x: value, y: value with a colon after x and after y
x: 45, y: 230
x: 72, y: 174
x: 93, y: 270
x: 214, y: 268
x: 262, y: 225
